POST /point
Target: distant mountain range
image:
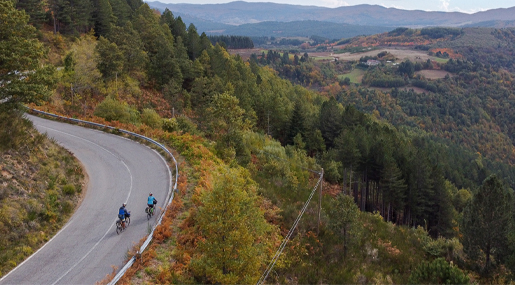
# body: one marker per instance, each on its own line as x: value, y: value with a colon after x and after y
x: 222, y: 17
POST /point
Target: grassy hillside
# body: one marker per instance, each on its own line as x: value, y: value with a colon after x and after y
x: 40, y: 185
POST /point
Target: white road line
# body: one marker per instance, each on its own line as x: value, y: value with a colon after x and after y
x: 129, y: 194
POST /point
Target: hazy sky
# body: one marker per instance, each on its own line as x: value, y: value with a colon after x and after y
x: 467, y: 6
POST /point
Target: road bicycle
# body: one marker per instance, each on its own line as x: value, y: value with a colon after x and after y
x: 119, y: 227
x: 150, y: 212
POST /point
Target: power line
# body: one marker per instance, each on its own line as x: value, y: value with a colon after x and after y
x: 288, y: 236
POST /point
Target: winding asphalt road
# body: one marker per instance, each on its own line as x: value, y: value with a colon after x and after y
x: 119, y: 170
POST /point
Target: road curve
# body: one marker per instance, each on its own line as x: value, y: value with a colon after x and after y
x: 86, y: 248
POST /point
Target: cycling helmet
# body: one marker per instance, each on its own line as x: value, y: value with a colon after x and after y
x: 124, y: 204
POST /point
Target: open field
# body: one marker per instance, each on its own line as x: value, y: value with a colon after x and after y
x: 355, y: 76
x: 399, y: 53
x: 246, y: 53
x: 433, y: 74
x: 441, y: 60
x: 323, y: 58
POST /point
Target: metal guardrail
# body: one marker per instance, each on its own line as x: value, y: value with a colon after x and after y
x: 173, y: 190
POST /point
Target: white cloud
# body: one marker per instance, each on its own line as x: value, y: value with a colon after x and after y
x: 394, y: 6
x: 470, y: 11
x: 445, y: 5
x: 334, y: 3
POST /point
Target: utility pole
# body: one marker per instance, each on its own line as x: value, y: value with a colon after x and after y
x: 116, y: 83
x: 268, y: 128
x: 320, y: 200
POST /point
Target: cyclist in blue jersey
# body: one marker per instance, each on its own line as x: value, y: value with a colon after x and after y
x: 151, y: 202
x: 122, y: 214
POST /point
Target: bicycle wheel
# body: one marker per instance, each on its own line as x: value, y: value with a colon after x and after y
x: 118, y: 227
x: 149, y: 214
x: 127, y: 221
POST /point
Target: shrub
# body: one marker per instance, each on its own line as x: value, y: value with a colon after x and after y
x: 69, y: 189
x: 114, y: 110
x: 170, y: 125
x: 187, y: 126
x: 67, y: 207
x: 331, y: 171
x: 438, y: 271
x: 151, y: 118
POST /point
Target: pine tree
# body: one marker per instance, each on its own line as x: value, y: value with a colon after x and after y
x: 103, y: 17
x: 121, y: 10
x: 178, y: 29
x: 486, y: 222
x: 135, y: 4
x: 394, y: 188
x: 21, y: 76
x: 330, y: 123
x: 158, y: 42
x: 348, y: 153
x: 193, y: 42
x: 35, y: 10
x: 205, y: 43
x: 297, y: 123
x: 60, y: 11
x: 131, y: 46
x: 343, y: 220
x: 111, y: 59
x: 81, y: 16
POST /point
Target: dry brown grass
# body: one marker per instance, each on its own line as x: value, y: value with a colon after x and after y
x: 433, y: 74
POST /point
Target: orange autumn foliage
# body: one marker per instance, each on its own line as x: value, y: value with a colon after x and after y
x: 449, y: 51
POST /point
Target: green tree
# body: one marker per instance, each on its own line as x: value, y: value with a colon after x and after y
x: 121, y: 10
x: 343, y: 220
x: 315, y: 142
x: 193, y: 43
x: 71, y: 17
x: 205, y: 43
x: 129, y: 43
x: 158, y: 42
x: 103, y: 17
x: 226, y: 124
x: 486, y: 222
x: 235, y: 235
x: 111, y: 59
x: 85, y: 78
x: 297, y: 123
x: 22, y: 77
x: 348, y: 153
x: 394, y: 188
x: 135, y: 4
x: 330, y: 121
x: 407, y: 68
x: 34, y: 8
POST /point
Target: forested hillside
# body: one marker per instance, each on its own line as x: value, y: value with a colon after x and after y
x: 398, y: 205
